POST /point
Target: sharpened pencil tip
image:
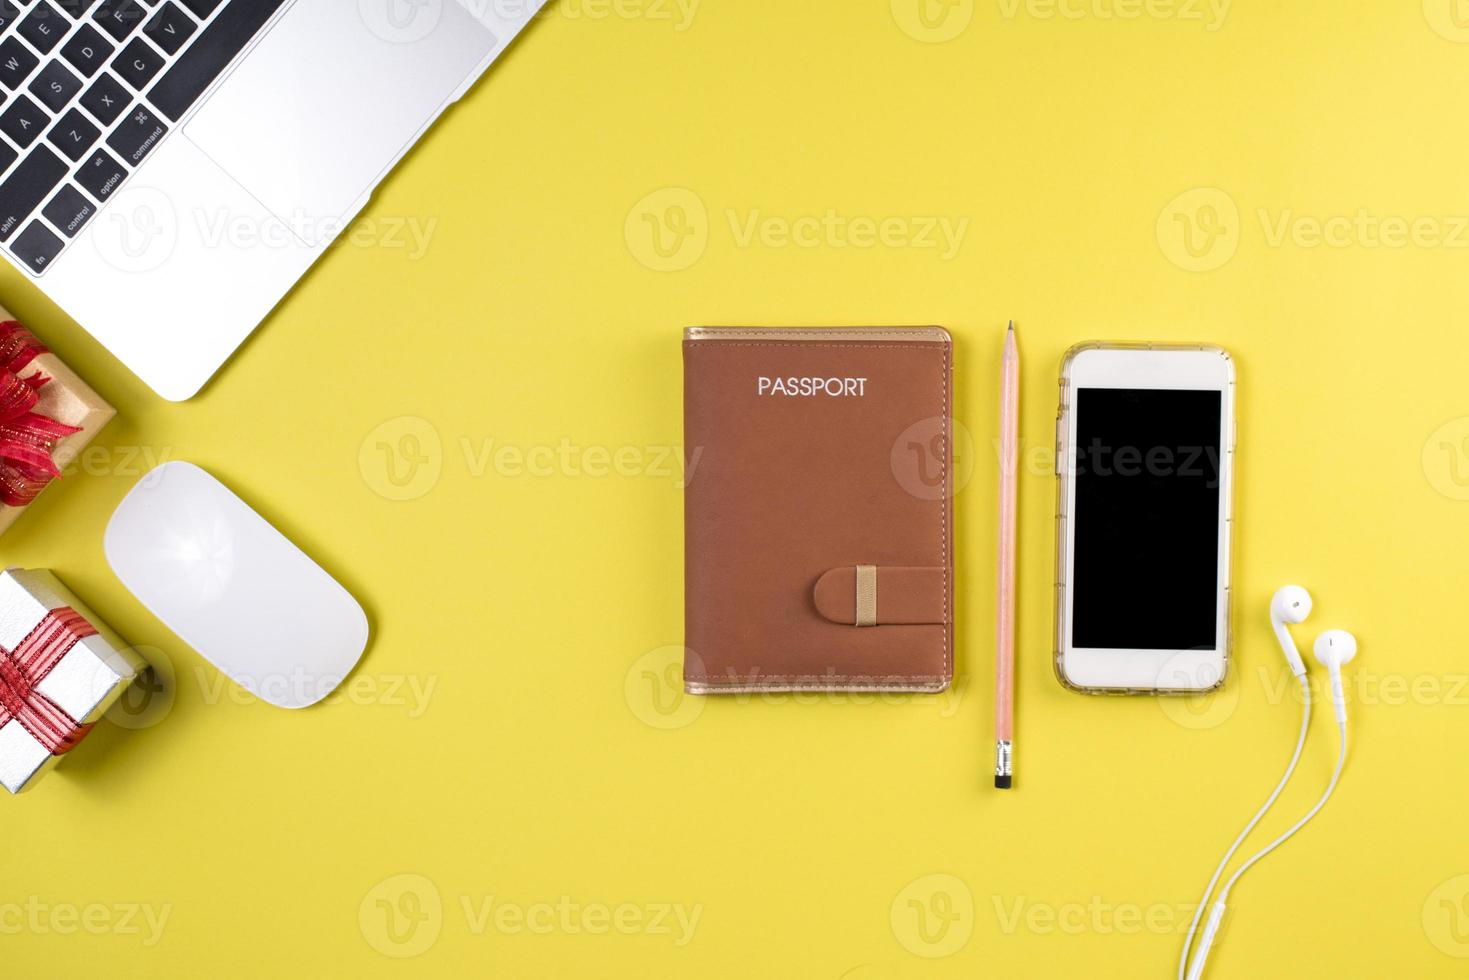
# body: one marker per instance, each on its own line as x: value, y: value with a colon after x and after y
x: 1012, y: 326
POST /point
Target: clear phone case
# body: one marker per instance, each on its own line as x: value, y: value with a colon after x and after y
x: 1063, y: 474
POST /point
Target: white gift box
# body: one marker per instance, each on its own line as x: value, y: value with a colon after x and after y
x: 37, y: 611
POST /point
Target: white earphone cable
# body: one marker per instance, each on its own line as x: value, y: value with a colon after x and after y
x: 1260, y: 813
x: 1341, y: 761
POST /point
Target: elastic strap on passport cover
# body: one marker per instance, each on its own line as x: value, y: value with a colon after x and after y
x: 870, y: 595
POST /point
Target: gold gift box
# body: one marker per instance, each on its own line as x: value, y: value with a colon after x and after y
x: 68, y: 399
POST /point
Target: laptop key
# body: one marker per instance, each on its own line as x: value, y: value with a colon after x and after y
x: 119, y: 17
x: 16, y: 63
x: 169, y: 28
x: 136, y: 135
x: 27, y: 186
x: 138, y: 63
x: 87, y: 50
x: 101, y: 175
x: 75, y: 8
x: 201, y: 8
x: 199, y: 65
x: 55, y: 86
x: 44, y: 27
x: 105, y: 99
x: 69, y: 210
x: 24, y: 122
x: 9, y: 14
x: 7, y: 156
x: 74, y: 135
x: 37, y: 246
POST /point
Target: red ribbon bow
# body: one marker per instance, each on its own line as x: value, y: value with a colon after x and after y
x: 27, y: 438
x: 27, y: 665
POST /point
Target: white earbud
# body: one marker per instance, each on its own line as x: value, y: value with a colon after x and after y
x: 1333, y: 649
x: 1291, y: 604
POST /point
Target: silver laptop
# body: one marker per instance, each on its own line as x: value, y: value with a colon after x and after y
x: 170, y: 168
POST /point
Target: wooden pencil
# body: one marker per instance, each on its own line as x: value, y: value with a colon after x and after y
x: 1005, y: 614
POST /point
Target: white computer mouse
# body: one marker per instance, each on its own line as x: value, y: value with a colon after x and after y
x: 234, y: 588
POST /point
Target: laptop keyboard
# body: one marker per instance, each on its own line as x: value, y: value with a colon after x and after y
x: 89, y: 89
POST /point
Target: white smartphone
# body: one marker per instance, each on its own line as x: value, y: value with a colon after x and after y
x: 1145, y: 468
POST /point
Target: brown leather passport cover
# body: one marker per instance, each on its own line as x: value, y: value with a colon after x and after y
x: 818, y: 544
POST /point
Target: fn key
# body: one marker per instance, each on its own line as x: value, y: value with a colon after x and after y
x: 36, y: 247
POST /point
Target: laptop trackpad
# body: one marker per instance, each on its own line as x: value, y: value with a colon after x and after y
x: 314, y: 116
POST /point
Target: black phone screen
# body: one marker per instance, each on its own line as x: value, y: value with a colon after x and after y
x: 1145, y: 570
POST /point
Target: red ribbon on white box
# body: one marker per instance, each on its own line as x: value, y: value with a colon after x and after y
x: 23, y: 668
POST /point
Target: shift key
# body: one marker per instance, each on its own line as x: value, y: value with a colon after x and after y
x: 137, y: 134
x: 30, y: 183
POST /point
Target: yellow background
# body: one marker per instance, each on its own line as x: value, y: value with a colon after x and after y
x: 551, y: 763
